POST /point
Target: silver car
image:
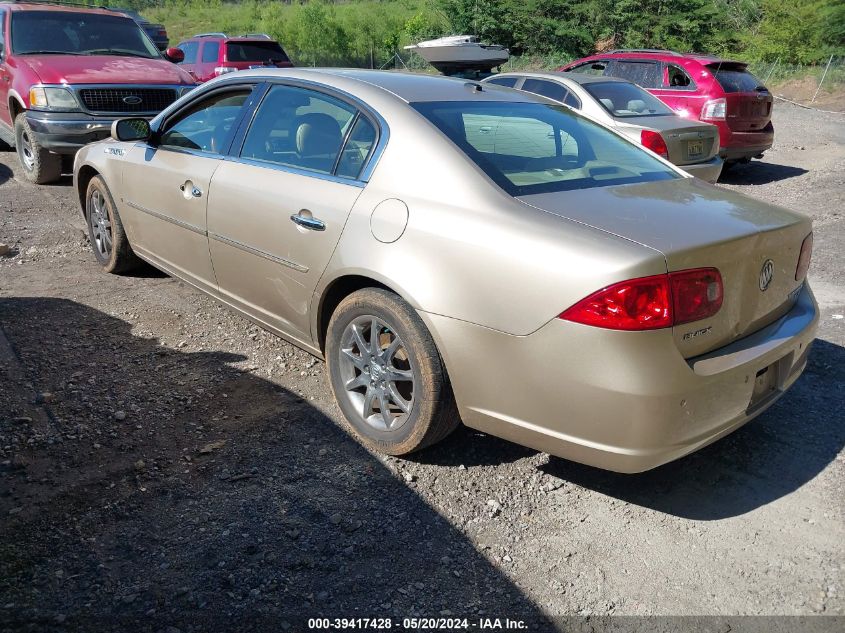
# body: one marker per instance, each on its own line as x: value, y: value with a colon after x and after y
x: 634, y: 112
x: 460, y: 251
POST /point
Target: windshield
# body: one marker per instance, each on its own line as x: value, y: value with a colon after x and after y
x: 625, y: 100
x: 529, y: 148
x: 76, y: 33
x: 255, y: 52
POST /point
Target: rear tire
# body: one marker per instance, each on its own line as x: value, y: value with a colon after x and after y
x: 39, y: 166
x: 105, y: 230
x: 395, y: 395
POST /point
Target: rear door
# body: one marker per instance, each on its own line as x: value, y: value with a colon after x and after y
x: 749, y: 103
x: 190, y: 49
x: 208, y: 60
x: 166, y: 184
x: 279, y: 205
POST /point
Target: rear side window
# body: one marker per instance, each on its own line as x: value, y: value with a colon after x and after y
x: 736, y: 79
x: 679, y: 79
x: 210, y: 52
x: 529, y: 148
x: 302, y: 128
x: 2, y: 32
x: 507, y: 82
x: 548, y: 89
x: 263, y: 51
x: 190, y: 50
x: 645, y: 74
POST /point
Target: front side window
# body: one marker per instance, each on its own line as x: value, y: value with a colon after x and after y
x: 210, y: 52
x: 645, y: 74
x: 206, y: 126
x: 70, y: 33
x: 190, y: 50
x: 625, y: 100
x: 590, y: 68
x: 548, y: 89
x: 528, y: 148
x: 300, y: 128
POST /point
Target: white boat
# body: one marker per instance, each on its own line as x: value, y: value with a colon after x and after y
x: 457, y: 53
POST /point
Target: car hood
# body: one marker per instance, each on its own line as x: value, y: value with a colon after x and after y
x: 105, y: 69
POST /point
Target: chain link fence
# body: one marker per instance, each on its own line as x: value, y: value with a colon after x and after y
x: 819, y: 86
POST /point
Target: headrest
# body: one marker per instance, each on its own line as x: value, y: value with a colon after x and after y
x: 608, y: 104
x: 317, y: 134
x: 636, y: 105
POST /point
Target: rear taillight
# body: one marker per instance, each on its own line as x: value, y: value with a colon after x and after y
x: 654, y: 142
x: 696, y: 294
x: 651, y: 303
x: 714, y: 110
x: 804, y: 258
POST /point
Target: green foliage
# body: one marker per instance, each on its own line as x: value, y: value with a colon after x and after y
x: 364, y: 32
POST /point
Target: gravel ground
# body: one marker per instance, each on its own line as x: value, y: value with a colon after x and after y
x: 167, y: 466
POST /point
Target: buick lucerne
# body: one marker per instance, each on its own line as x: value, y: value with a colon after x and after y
x: 465, y: 252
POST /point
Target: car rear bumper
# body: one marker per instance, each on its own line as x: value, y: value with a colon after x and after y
x: 744, y: 145
x: 66, y: 132
x: 623, y: 401
x: 709, y: 170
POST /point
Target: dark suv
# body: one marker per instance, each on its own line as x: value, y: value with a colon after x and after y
x: 66, y: 73
x: 702, y: 87
x: 209, y: 55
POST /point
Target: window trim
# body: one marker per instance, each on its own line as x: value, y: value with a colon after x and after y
x: 379, y: 126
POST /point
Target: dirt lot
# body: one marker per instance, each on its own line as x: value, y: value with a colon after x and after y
x: 167, y: 466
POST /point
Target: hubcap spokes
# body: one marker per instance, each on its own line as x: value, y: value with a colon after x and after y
x: 377, y: 374
x: 26, y: 152
x: 100, y: 224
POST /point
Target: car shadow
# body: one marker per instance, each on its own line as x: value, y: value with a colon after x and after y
x: 773, y: 456
x: 5, y: 173
x: 172, y: 490
x: 758, y: 173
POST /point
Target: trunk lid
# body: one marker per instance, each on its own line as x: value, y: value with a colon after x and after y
x: 688, y: 141
x: 748, y: 101
x: 696, y: 225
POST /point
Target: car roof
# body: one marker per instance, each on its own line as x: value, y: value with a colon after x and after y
x: 669, y: 56
x: 38, y: 6
x: 407, y: 86
x: 579, y: 78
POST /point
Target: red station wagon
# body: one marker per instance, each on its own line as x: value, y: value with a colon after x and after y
x: 209, y: 55
x: 701, y: 87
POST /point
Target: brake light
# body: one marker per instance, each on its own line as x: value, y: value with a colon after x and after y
x: 714, y: 110
x: 651, y: 303
x: 804, y: 258
x: 222, y: 70
x: 696, y: 294
x: 653, y: 141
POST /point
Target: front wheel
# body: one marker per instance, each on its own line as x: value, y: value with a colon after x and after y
x: 39, y: 165
x: 387, y: 375
x: 105, y: 230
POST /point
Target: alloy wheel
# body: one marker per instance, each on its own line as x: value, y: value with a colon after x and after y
x: 377, y: 373
x: 100, y: 224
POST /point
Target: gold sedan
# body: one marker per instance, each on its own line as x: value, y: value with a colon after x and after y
x: 463, y: 252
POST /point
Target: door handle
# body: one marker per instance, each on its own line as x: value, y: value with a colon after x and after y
x: 308, y: 222
x: 194, y: 191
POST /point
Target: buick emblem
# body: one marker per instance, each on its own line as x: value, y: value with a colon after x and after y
x: 766, y: 274
x: 132, y: 100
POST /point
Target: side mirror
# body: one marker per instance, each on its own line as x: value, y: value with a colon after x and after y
x: 176, y: 55
x: 131, y: 130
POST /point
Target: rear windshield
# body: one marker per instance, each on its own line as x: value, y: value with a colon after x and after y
x: 76, y: 33
x: 626, y: 100
x: 529, y: 148
x: 255, y: 52
x: 736, y: 79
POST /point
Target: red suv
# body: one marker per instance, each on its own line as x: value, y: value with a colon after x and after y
x: 66, y: 73
x: 701, y: 87
x: 209, y: 55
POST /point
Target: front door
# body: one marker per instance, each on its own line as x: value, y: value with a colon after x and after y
x: 166, y: 185
x: 277, y: 209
